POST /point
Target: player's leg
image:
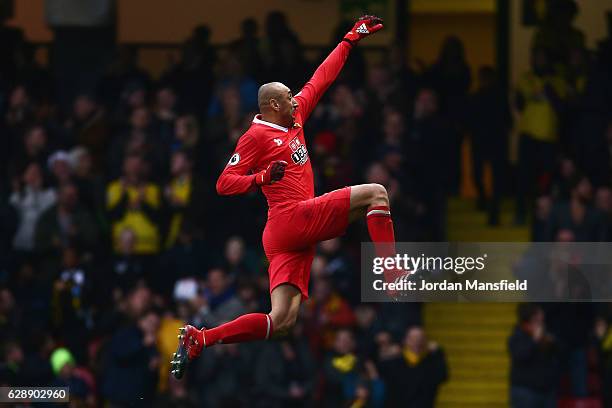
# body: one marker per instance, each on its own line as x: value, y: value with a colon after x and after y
x: 326, y: 216
x: 365, y: 197
x: 249, y: 327
x: 372, y: 201
x: 286, y: 300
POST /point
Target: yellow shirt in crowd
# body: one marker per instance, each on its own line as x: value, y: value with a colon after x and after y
x: 538, y: 119
x: 180, y: 191
x: 146, y: 231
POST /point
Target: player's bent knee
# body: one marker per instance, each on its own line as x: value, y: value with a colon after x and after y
x: 283, y: 323
x: 379, y: 195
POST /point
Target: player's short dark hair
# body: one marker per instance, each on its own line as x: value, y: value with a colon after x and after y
x: 526, y: 311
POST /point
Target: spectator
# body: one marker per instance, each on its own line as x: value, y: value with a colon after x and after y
x: 603, y: 204
x: 225, y: 376
x: 603, y: 335
x: 186, y: 132
x: 66, y: 375
x: 226, y: 126
x: 30, y: 199
x: 577, y: 214
x: 413, y: 373
x: 90, y: 129
x: 134, y: 203
x: 534, y: 370
x: 60, y: 168
x: 71, y: 300
x: 193, y: 76
x: 139, y: 139
x: 120, y: 72
x: 11, y: 363
x: 219, y: 303
x: 348, y: 379
x: 541, y: 216
x: 247, y: 48
x: 379, y: 92
x: 539, y: 100
x: 278, y: 35
x: 426, y: 153
x: 450, y: 78
x: 326, y: 313
x: 339, y: 268
x: 187, y: 137
x: 239, y: 262
x: 184, y: 196
x: 489, y: 120
x: 131, y: 356
x: 564, y: 178
x: 572, y: 325
x: 164, y: 114
x: 556, y: 34
x: 408, y: 80
x: 128, y: 267
x: 65, y: 224
x: 191, y: 255
x: 20, y: 112
x: 89, y: 183
x: 36, y: 367
x: 285, y: 372
x: 133, y: 98
x: 234, y: 77
x: 33, y: 149
x: 366, y: 329
x: 177, y: 395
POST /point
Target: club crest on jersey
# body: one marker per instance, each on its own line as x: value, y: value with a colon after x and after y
x: 300, y: 154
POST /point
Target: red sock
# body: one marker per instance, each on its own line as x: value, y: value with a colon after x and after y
x: 248, y: 327
x: 380, y: 227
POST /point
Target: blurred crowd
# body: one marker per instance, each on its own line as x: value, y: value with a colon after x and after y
x: 562, y: 352
x: 113, y: 236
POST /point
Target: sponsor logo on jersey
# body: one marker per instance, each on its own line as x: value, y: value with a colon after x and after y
x: 234, y: 159
x: 278, y: 141
x: 300, y: 154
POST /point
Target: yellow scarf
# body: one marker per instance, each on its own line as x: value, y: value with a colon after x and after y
x: 412, y: 358
x: 344, y: 363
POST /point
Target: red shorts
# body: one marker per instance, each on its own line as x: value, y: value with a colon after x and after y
x: 290, y: 237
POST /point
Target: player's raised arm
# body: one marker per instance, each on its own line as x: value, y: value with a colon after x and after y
x: 237, y: 177
x: 327, y: 72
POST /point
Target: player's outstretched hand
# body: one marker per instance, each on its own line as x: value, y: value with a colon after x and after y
x: 365, y: 26
x: 273, y: 173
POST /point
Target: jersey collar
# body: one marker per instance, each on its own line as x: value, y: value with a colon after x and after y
x: 272, y: 125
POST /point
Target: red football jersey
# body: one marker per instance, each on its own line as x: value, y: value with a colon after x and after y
x: 265, y: 142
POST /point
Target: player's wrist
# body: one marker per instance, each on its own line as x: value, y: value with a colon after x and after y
x: 350, y: 43
x: 260, y: 178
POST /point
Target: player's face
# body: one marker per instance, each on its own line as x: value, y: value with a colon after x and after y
x: 288, y: 106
